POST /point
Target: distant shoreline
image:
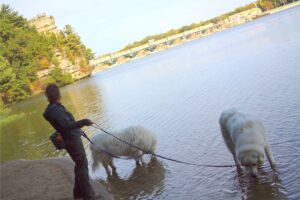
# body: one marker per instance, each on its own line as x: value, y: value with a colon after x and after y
x: 272, y: 11
x: 284, y: 7
x: 103, y: 67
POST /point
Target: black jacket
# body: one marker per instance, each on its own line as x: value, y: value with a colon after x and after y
x: 63, y: 121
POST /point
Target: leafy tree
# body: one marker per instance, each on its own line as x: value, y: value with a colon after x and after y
x: 68, y: 30
x: 88, y: 54
x: 265, y: 4
x: 7, y: 77
x: 59, y: 77
x: 24, y: 51
x: 283, y: 2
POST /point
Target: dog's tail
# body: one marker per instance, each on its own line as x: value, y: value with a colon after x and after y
x: 95, y: 159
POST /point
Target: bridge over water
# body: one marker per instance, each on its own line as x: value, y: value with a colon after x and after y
x: 152, y: 45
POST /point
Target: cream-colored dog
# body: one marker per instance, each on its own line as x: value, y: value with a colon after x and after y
x: 244, y: 136
x: 106, y: 145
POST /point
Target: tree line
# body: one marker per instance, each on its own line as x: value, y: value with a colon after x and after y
x: 24, y: 52
x: 264, y: 5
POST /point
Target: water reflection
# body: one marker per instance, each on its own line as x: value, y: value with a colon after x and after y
x: 267, y: 186
x: 84, y: 99
x: 27, y: 137
x: 179, y: 94
x: 144, y: 181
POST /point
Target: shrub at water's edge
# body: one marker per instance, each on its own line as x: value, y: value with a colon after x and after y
x: 25, y: 53
x: 5, y: 116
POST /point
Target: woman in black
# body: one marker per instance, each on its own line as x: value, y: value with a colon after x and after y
x: 64, y: 123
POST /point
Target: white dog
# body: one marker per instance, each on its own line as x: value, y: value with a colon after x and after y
x: 106, y: 144
x: 244, y: 136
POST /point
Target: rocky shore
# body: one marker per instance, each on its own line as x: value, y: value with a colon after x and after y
x: 48, y: 179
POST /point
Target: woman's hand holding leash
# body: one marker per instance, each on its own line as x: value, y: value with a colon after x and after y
x: 87, y: 122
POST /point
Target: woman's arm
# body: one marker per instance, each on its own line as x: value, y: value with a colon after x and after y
x: 62, y: 119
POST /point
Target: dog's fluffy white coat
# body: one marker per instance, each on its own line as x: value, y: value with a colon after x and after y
x: 244, y: 136
x: 135, y: 135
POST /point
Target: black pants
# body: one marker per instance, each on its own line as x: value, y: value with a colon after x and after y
x: 82, y: 187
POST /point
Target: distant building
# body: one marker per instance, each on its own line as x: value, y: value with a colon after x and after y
x: 44, y: 23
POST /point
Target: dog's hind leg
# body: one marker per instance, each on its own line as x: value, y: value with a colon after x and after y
x: 270, y: 156
x: 152, y: 150
x: 105, y: 165
x: 138, y: 156
x: 142, y: 160
x: 153, y: 157
x: 111, y: 164
x: 95, y: 159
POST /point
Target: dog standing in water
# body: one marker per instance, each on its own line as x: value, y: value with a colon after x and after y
x: 244, y: 136
x: 138, y: 136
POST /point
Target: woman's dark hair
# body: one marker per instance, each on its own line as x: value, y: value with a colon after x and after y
x: 52, y: 93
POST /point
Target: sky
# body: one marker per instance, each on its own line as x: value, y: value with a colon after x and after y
x: 107, y: 26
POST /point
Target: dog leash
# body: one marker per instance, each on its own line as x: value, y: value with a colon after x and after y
x: 95, y: 125
x: 102, y: 150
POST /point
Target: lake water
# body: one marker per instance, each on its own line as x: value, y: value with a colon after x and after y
x: 179, y: 94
